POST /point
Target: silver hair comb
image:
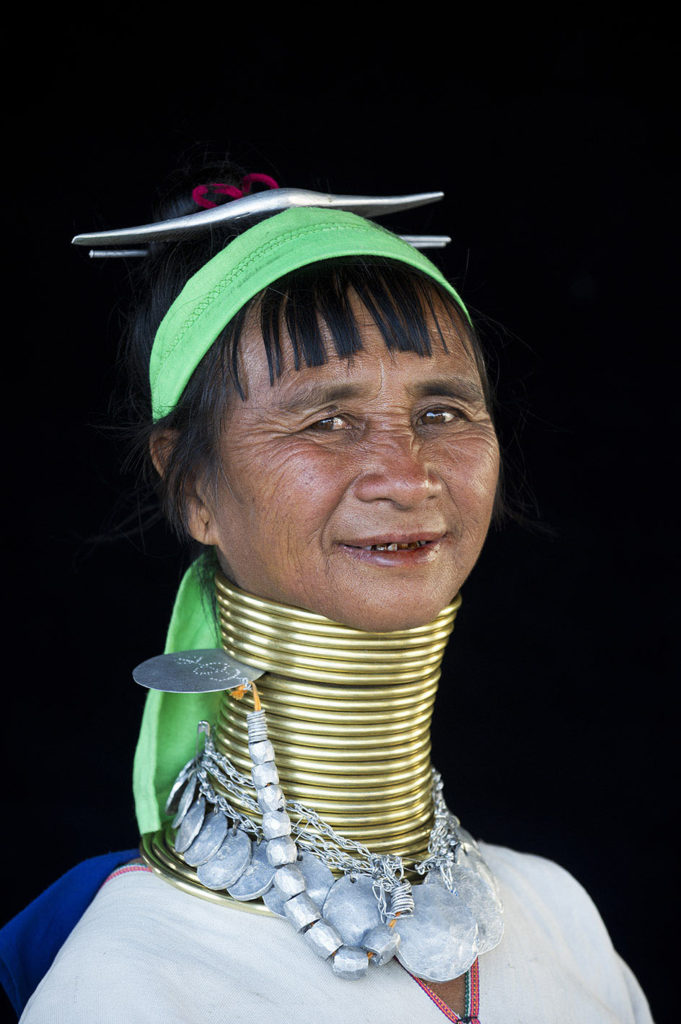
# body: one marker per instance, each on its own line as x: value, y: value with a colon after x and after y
x: 256, y: 206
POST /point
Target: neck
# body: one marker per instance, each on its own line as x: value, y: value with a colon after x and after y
x: 349, y: 715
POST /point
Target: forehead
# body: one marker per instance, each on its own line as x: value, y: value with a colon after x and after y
x: 378, y: 359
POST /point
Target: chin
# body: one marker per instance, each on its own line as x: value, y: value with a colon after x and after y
x: 388, y: 616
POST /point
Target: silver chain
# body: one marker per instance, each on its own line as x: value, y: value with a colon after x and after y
x: 312, y: 833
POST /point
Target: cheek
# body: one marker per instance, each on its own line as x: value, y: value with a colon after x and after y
x: 486, y: 474
x: 286, y: 492
x: 473, y: 477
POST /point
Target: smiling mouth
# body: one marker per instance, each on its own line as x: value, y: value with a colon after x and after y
x: 393, y: 546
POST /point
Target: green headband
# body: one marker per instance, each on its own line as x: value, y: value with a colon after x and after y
x: 254, y: 260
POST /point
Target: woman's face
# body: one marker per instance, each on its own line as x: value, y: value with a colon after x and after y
x: 359, y: 490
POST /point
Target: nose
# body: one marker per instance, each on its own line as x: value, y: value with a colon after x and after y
x: 396, y: 469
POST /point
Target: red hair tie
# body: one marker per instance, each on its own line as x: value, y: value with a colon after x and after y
x: 200, y: 193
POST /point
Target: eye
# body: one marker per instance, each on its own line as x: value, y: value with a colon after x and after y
x: 329, y: 423
x: 438, y: 417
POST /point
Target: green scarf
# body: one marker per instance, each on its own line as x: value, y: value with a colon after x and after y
x: 167, y: 737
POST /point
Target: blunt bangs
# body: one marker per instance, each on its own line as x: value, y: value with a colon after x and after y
x: 405, y: 305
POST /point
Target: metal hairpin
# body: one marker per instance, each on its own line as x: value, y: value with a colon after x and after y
x: 253, y: 207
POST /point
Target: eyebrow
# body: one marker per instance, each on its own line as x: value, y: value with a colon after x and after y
x: 313, y: 395
x: 450, y: 386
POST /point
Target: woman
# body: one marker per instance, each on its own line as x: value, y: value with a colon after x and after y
x: 319, y: 419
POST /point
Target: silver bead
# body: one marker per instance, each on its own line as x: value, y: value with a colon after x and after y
x: 261, y: 751
x: 383, y: 942
x: 317, y: 877
x: 271, y: 798
x: 276, y: 824
x: 323, y: 938
x: 289, y: 880
x: 265, y: 775
x: 281, y: 851
x: 350, y: 962
x: 301, y: 911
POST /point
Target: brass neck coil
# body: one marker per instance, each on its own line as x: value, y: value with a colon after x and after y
x: 348, y: 713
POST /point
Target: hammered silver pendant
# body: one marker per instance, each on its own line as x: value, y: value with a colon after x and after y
x: 440, y: 941
x: 208, y: 841
x: 318, y: 882
x: 191, y: 824
x: 480, y: 899
x: 256, y: 879
x: 228, y: 864
x: 174, y: 796
x: 351, y: 907
x: 185, y: 801
x: 469, y: 858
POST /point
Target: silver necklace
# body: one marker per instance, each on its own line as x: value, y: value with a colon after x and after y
x: 372, y: 913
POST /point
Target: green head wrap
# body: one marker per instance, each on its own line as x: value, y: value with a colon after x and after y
x: 207, y: 303
x: 255, y: 259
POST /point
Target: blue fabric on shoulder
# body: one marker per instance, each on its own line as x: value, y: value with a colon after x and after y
x: 31, y: 940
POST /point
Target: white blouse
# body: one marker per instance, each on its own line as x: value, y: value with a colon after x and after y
x: 145, y: 951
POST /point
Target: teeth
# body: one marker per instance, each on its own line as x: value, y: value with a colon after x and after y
x: 412, y: 546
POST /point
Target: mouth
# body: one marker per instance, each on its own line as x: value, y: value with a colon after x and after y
x: 396, y: 550
x: 392, y: 546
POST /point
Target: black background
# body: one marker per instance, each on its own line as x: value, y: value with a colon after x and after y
x: 551, y: 137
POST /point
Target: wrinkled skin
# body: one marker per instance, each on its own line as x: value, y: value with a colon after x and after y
x: 386, y: 448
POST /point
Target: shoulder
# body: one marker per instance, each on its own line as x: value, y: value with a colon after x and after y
x: 544, y: 890
x: 31, y: 940
x: 556, y: 941
x: 529, y: 869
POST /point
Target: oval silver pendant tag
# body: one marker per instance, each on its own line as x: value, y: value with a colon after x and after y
x: 440, y: 941
x: 205, y: 671
x: 208, y: 841
x: 256, y: 879
x: 352, y: 908
x: 228, y: 863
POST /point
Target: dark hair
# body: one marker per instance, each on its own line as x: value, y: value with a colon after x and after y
x: 402, y: 301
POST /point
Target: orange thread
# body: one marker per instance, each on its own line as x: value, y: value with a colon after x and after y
x: 239, y: 691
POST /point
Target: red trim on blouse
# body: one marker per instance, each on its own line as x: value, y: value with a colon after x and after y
x: 125, y: 870
x: 472, y: 997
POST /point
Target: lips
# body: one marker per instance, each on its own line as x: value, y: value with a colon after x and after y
x: 402, y: 545
x: 401, y: 540
x: 393, y: 546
